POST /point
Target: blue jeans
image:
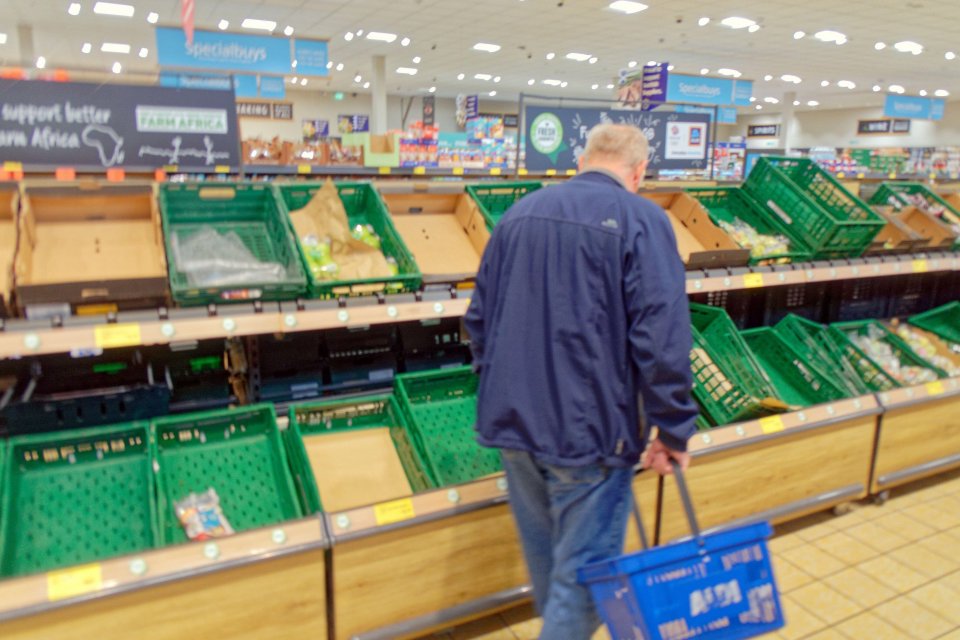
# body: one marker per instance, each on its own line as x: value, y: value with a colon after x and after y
x: 567, y: 517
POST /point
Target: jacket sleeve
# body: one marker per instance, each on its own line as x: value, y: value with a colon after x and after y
x: 475, y: 319
x: 658, y: 315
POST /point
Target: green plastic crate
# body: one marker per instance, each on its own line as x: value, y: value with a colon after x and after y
x: 77, y: 496
x: 840, y: 330
x: 237, y: 452
x: 441, y: 409
x: 798, y: 381
x: 364, y: 207
x: 896, y: 194
x: 725, y: 204
x: 815, y: 344
x: 729, y: 384
x: 362, y: 412
x: 493, y: 200
x: 943, y: 321
x: 829, y: 220
x: 251, y: 211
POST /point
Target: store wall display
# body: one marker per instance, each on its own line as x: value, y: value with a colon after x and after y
x: 356, y: 123
x: 763, y: 131
x: 55, y: 124
x: 556, y: 136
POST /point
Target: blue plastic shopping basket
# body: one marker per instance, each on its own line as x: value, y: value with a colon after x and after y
x: 709, y: 586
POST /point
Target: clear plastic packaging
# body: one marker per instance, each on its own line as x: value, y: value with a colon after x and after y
x: 213, y: 259
x: 201, y: 517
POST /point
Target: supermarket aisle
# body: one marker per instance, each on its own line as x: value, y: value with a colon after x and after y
x: 888, y: 572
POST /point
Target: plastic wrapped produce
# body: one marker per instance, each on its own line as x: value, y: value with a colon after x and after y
x: 213, y: 259
x: 760, y: 245
x: 880, y: 351
x: 924, y: 347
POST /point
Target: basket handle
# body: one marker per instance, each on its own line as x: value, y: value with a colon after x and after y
x: 687, y: 502
x: 638, y: 520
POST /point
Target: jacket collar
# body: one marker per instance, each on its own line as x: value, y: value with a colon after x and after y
x: 598, y: 171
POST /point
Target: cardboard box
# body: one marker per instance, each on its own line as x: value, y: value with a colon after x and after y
x: 937, y: 233
x: 378, y: 150
x: 442, y: 227
x: 897, y: 236
x: 702, y: 244
x: 89, y: 246
x: 953, y: 200
x: 9, y: 205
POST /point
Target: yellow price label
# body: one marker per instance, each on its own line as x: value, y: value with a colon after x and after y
x: 111, y: 336
x: 551, y: 172
x: 458, y: 171
x: 304, y: 169
x: 171, y: 168
x: 495, y: 171
x: 394, y: 511
x: 222, y: 168
x: 753, y: 280
x: 771, y: 424
x: 12, y: 166
x: 934, y: 388
x: 571, y: 172
x: 384, y: 171
x: 920, y: 266
x: 522, y: 172
x: 841, y: 175
x: 97, y: 309
x: 419, y: 171
x: 861, y: 175
x: 75, y: 581
x: 892, y: 175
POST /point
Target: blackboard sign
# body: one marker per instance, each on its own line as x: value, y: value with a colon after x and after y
x: 901, y: 126
x: 100, y: 126
x: 283, y: 111
x: 254, y: 109
x: 763, y: 131
x: 511, y: 120
x: 556, y: 136
x: 873, y: 126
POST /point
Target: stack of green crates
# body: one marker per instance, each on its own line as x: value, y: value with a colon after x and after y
x: 728, y: 382
x: 798, y: 381
x: 344, y: 415
x: 943, y: 321
x: 77, y: 496
x: 727, y: 204
x: 841, y: 331
x: 248, y: 210
x: 364, y: 207
x: 855, y: 373
x: 829, y: 220
x: 898, y: 194
x: 237, y: 452
x: 440, y: 408
x: 493, y: 200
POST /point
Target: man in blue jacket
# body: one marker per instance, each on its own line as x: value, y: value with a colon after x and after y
x: 580, y: 332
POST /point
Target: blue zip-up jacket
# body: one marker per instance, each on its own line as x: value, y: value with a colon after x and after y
x: 580, y: 313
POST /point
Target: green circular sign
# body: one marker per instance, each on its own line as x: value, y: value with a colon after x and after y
x: 546, y: 133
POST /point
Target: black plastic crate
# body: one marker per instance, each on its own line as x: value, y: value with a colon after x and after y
x: 55, y: 392
x: 948, y: 288
x: 858, y: 299
x: 285, y: 368
x: 806, y: 300
x: 361, y: 359
x: 744, y: 307
x: 432, y: 344
x: 913, y: 294
x: 197, y: 374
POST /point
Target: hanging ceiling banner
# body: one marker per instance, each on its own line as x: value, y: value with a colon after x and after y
x: 704, y: 90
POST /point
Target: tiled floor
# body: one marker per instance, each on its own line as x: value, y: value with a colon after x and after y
x: 888, y: 572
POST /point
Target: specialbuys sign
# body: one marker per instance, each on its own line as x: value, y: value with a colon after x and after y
x: 89, y: 126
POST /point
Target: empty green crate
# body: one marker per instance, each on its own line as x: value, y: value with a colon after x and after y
x: 364, y: 207
x: 798, y: 381
x: 249, y: 210
x: 77, y: 496
x: 829, y: 220
x: 239, y: 453
x: 943, y: 321
x: 841, y: 330
x: 898, y: 194
x: 728, y: 382
x: 856, y: 375
x: 493, y: 200
x: 726, y: 204
x: 343, y: 415
x: 441, y: 409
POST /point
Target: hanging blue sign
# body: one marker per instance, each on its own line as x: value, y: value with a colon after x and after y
x: 473, y: 107
x: 245, y: 86
x: 197, y: 81
x: 556, y: 136
x: 725, y: 115
x: 654, y: 90
x: 272, y: 87
x: 703, y: 90
x: 221, y: 51
x: 913, y: 107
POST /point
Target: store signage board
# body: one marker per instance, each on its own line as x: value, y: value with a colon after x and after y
x: 222, y: 51
x: 282, y: 110
x: 511, y: 120
x: 654, y: 90
x: 556, y: 136
x: 725, y: 115
x: 244, y: 86
x: 272, y: 87
x: 901, y: 126
x: 703, y: 90
x: 254, y: 109
x: 428, y: 107
x: 913, y: 107
x: 473, y: 106
x: 763, y: 131
x: 107, y: 126
x: 874, y: 127
x: 356, y: 123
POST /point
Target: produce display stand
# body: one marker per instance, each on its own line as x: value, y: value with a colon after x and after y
x: 260, y: 583
x: 776, y: 468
